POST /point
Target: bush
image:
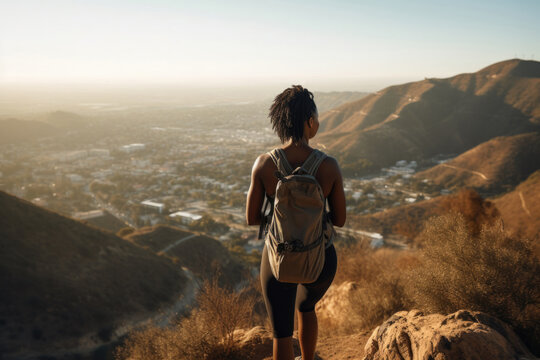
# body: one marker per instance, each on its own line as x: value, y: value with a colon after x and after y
x: 488, y: 271
x: 379, y: 289
x: 476, y: 211
x: 207, y: 333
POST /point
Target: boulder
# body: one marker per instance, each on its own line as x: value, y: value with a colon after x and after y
x: 334, y: 309
x: 463, y: 335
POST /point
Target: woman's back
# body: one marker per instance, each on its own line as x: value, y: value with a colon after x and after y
x: 328, y: 175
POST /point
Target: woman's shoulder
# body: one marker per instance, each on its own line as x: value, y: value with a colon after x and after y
x: 330, y: 163
x: 329, y: 170
x: 263, y: 163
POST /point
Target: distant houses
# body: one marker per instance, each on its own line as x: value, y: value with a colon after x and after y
x: 185, y: 217
x: 132, y: 147
x: 153, y: 206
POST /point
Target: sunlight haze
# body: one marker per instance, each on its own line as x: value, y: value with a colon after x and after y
x: 236, y: 42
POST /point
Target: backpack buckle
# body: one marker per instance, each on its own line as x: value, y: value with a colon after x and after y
x: 289, y: 246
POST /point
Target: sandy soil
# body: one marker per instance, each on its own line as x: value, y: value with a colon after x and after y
x: 344, y: 347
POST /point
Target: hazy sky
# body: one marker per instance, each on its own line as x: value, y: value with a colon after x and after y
x: 142, y: 41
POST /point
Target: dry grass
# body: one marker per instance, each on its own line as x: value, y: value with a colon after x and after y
x: 490, y: 272
x: 207, y: 333
x: 377, y: 289
x: 460, y: 265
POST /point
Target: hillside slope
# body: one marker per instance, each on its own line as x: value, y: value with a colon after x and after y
x: 494, y: 166
x: 62, y: 280
x: 420, y: 119
x: 202, y: 255
x: 326, y: 101
x: 15, y: 130
x: 520, y: 208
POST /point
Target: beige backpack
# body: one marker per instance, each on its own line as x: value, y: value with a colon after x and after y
x: 295, y: 236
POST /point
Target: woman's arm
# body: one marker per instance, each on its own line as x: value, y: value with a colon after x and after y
x: 255, y: 195
x: 336, y: 198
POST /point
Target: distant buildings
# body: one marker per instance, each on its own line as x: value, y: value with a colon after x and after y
x: 98, y: 152
x: 86, y: 215
x: 75, y: 178
x: 67, y: 156
x: 153, y: 205
x: 403, y: 168
x: 185, y: 216
x: 132, y: 147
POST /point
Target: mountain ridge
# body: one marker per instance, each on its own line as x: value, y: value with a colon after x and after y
x: 494, y: 166
x: 421, y: 119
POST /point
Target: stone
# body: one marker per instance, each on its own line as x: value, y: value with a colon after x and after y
x: 463, y: 335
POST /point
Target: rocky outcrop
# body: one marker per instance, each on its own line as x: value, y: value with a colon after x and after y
x: 333, y: 310
x: 411, y: 335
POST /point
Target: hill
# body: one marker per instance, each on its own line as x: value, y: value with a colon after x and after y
x: 14, y: 130
x: 65, y: 120
x: 101, y: 219
x: 491, y: 167
x: 520, y: 208
x: 202, y: 255
x: 326, y: 101
x: 418, y: 120
x: 404, y: 223
x: 68, y: 285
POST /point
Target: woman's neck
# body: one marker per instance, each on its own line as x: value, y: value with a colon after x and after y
x: 304, y: 142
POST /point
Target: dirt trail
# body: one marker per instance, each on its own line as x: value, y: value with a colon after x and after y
x: 178, y: 242
x: 523, y: 204
x: 343, y: 347
x: 467, y: 170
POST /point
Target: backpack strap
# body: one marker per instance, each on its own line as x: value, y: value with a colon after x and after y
x: 310, y: 165
x: 314, y: 160
x: 279, y: 158
x: 266, y: 216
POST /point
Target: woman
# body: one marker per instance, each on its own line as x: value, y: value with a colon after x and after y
x: 295, y: 119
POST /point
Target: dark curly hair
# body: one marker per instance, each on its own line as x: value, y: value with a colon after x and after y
x: 289, y: 111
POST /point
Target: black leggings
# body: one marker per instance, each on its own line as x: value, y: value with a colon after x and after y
x: 280, y: 297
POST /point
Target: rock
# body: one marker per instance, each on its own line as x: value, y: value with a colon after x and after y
x: 463, y: 335
x: 333, y: 310
x: 255, y: 343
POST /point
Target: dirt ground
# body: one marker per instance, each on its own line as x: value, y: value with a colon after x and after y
x: 345, y: 347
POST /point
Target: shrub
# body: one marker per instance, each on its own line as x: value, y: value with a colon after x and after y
x: 379, y: 289
x: 207, y: 333
x: 475, y: 210
x: 488, y: 271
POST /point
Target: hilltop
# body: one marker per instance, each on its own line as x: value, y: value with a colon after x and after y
x: 493, y: 166
x: 201, y: 254
x: 52, y: 124
x: 65, y: 120
x: 15, y: 130
x: 66, y: 284
x: 326, y: 101
x: 421, y: 119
